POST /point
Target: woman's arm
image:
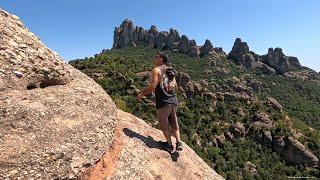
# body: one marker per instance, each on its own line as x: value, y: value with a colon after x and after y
x: 153, y: 84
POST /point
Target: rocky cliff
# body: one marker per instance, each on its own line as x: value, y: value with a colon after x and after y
x: 57, y: 123
x: 128, y: 35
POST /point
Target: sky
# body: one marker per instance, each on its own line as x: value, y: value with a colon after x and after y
x: 78, y: 28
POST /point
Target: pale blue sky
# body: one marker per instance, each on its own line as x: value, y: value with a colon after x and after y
x: 78, y: 28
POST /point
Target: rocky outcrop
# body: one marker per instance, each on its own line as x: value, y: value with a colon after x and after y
x: 251, y: 168
x: 194, y: 52
x: 143, y: 75
x: 273, y: 103
x: 238, y: 130
x: 232, y: 97
x: 261, y: 120
x: 296, y: 153
x: 128, y: 35
x: 207, y: 47
x: 265, y: 138
x: 264, y: 68
x: 274, y: 61
x: 57, y: 123
x: 239, y: 51
x: 184, y: 44
x: 54, y: 120
x: 183, y: 79
x: 220, y: 139
x: 292, y: 150
x: 280, y: 62
x: 173, y: 39
x: 229, y: 136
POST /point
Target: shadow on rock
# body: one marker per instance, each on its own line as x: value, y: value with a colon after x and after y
x: 150, y: 142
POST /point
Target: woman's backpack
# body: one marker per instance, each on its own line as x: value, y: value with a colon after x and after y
x: 168, y: 82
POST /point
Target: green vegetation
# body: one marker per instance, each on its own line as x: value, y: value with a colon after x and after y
x: 301, y: 100
x: 201, y: 118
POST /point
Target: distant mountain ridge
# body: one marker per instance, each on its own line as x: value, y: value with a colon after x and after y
x: 274, y: 62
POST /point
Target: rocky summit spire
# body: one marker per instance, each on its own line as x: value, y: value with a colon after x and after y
x: 239, y: 49
x: 207, y: 47
x: 127, y: 36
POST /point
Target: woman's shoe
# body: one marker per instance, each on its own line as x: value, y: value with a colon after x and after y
x: 179, y: 145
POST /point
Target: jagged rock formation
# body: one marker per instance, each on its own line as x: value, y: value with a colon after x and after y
x: 128, y: 35
x: 282, y: 63
x: 239, y: 52
x: 274, y: 61
x: 55, y: 122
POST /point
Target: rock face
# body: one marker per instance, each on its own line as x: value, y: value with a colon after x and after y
x: 25, y: 62
x: 274, y: 103
x: 274, y: 61
x: 251, y: 168
x: 295, y: 152
x: 51, y: 115
x: 183, y: 79
x: 239, y: 50
x: 292, y: 150
x: 56, y: 123
x: 184, y: 44
x: 128, y: 34
x: 239, y: 130
x: 136, y: 154
x: 282, y: 63
x: 262, y: 121
x: 207, y: 47
x: 194, y: 52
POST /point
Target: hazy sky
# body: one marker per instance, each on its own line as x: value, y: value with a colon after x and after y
x: 78, y: 28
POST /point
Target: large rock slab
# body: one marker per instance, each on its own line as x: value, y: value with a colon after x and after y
x: 54, y: 120
x: 136, y: 154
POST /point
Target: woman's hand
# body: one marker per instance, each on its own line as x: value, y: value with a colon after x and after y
x: 140, y: 95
